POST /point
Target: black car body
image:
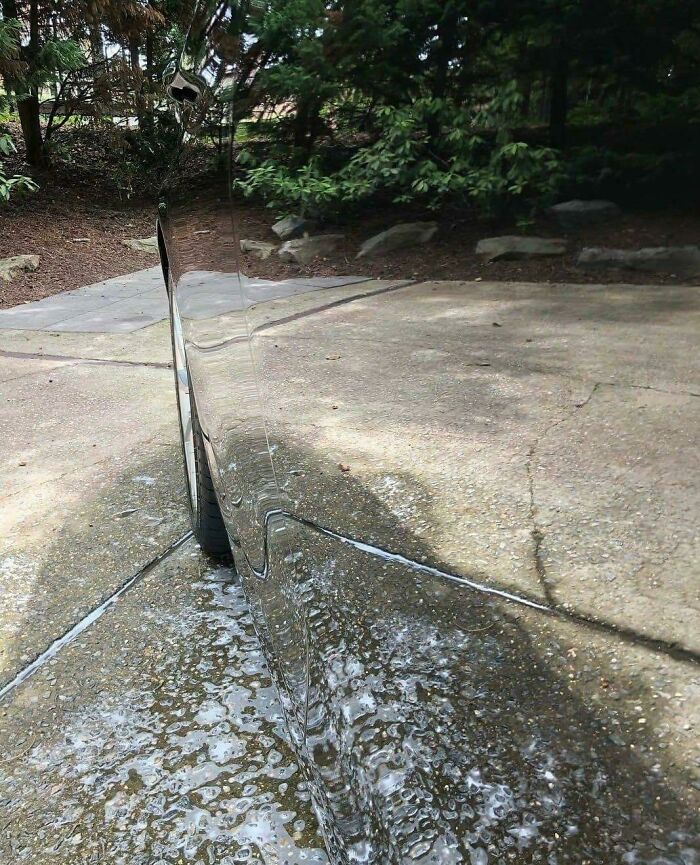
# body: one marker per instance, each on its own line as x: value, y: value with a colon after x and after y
x: 447, y: 706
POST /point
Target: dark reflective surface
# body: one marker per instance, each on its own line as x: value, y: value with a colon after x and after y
x: 410, y: 494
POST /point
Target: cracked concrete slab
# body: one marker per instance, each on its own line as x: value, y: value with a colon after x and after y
x: 554, y: 455
x: 156, y: 736
x: 480, y: 433
x: 616, y: 501
x: 148, y: 346
x: 92, y: 490
x: 91, y: 474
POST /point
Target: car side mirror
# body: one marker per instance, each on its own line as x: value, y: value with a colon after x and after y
x: 184, y: 90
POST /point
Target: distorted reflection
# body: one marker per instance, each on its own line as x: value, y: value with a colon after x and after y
x: 351, y: 406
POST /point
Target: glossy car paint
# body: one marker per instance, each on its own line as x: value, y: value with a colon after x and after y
x: 428, y: 690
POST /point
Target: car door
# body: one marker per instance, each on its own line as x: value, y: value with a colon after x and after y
x: 210, y: 303
x: 394, y: 454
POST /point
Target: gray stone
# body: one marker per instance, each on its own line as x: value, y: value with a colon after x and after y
x: 143, y: 244
x: 399, y: 236
x: 118, y: 305
x: 293, y: 226
x: 305, y: 249
x: 511, y: 247
x: 12, y: 267
x: 577, y: 212
x: 680, y: 260
x: 258, y: 248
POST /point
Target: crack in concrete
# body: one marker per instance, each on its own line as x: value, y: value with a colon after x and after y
x: 77, y: 359
x: 561, y: 608
x: 560, y: 611
x: 91, y: 617
x: 622, y: 384
x: 536, y: 532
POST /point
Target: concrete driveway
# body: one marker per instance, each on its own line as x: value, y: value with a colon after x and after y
x: 154, y: 733
x: 138, y: 722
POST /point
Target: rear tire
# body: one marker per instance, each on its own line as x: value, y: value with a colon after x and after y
x: 207, y: 522
x: 205, y: 513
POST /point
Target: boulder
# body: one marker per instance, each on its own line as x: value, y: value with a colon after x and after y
x: 510, y: 247
x: 258, y: 248
x: 12, y: 267
x: 143, y: 244
x: 405, y: 234
x: 680, y: 260
x: 293, y: 226
x: 304, y: 249
x: 578, y: 213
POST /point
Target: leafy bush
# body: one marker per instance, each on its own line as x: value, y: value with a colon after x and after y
x: 411, y: 165
x: 10, y: 184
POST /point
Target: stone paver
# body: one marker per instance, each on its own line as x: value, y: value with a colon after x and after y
x: 129, y: 303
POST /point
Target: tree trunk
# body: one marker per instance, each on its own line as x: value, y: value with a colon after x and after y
x: 134, y: 53
x: 97, y: 44
x: 28, y: 108
x: 28, y: 100
x: 442, y: 55
x: 306, y: 126
x: 559, y: 84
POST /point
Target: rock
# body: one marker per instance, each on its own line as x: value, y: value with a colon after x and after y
x: 304, y: 249
x: 577, y: 213
x: 12, y: 267
x: 399, y: 236
x: 511, y: 247
x: 293, y: 226
x: 258, y: 248
x: 143, y: 244
x: 681, y: 260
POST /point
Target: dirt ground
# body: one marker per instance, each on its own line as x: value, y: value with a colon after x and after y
x: 451, y: 255
x: 79, y: 238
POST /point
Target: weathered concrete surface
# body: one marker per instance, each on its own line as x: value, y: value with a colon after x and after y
x: 540, y: 439
x: 156, y: 737
x: 120, y: 305
x: 150, y: 346
x: 520, y: 456
x: 156, y: 733
x: 91, y: 487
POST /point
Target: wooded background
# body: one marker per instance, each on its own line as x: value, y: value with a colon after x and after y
x: 495, y: 104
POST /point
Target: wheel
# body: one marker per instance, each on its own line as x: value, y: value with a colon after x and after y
x: 207, y: 522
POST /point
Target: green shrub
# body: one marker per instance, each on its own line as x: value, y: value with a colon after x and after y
x: 412, y: 166
x: 14, y: 183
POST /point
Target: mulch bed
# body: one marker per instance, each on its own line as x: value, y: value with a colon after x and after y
x: 78, y: 233
x: 451, y: 254
x: 78, y: 238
